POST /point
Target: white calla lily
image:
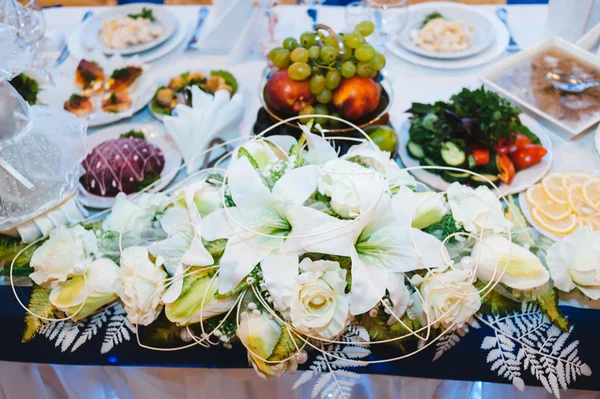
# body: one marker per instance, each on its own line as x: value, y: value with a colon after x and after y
x: 495, y: 256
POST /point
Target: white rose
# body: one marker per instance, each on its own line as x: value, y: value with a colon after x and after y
x: 143, y: 284
x: 381, y: 160
x: 449, y: 297
x: 344, y: 182
x: 318, y: 305
x: 477, y: 209
x: 260, y: 334
x: 133, y: 217
x: 100, y: 287
x: 574, y: 262
x: 65, y: 248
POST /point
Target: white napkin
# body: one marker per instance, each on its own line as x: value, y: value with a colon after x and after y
x: 208, y: 117
x: 232, y: 17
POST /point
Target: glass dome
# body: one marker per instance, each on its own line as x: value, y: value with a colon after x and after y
x: 41, y: 148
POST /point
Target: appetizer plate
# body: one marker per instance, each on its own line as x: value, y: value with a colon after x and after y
x: 526, y: 209
x: 183, y: 30
x: 482, y: 35
x: 490, y: 77
x: 523, y: 179
x: 56, y: 95
x: 496, y: 49
x: 205, y: 65
x: 163, y: 17
x: 156, y: 135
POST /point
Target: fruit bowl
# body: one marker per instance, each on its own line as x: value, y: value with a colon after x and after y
x: 375, y: 117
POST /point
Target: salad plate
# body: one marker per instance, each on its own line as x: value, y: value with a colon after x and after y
x: 522, y: 179
x: 156, y: 135
x: 109, y: 26
x: 479, y: 29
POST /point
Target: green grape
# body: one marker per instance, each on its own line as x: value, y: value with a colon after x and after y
x: 308, y: 39
x: 347, y: 54
x: 282, y: 59
x: 290, y: 43
x: 321, y: 109
x: 299, y: 54
x: 374, y: 73
x: 273, y: 52
x: 321, y: 37
x: 330, y: 41
x: 363, y: 69
x: 353, y: 39
x: 299, y: 71
x: 332, y: 79
x: 378, y: 62
x: 307, y: 110
x: 348, y: 69
x: 325, y: 96
x: 364, y: 53
x: 365, y: 28
x: 333, y: 122
x: 314, y: 52
x: 328, y: 54
x: 317, y: 84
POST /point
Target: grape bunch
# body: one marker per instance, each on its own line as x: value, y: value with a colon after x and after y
x: 317, y: 56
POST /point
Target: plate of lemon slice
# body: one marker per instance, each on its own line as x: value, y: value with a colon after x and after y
x: 563, y: 202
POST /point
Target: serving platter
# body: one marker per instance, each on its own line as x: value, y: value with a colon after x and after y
x: 90, y: 29
x: 482, y: 35
x: 523, y: 179
x: 155, y: 134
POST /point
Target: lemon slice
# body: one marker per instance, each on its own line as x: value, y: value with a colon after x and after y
x: 574, y: 179
x: 559, y: 227
x: 554, y: 188
x: 537, y: 197
x: 591, y: 192
x: 578, y: 202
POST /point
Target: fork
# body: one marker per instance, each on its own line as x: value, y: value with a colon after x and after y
x: 502, y: 14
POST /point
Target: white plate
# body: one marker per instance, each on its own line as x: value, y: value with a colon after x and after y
x: 585, y: 56
x: 156, y: 135
x: 56, y: 95
x: 482, y: 35
x: 526, y: 208
x: 597, y: 140
x: 498, y: 48
x: 182, y: 31
x: 204, y: 65
x: 523, y: 179
x: 91, y: 28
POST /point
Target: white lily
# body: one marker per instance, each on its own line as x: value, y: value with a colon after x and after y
x: 380, y: 244
x: 319, y: 149
x: 477, y: 209
x: 495, y: 253
x: 184, y: 243
x: 257, y: 227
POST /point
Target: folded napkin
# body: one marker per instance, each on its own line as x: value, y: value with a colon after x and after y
x: 194, y: 127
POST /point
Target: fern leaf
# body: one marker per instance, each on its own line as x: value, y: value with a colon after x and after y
x: 320, y: 384
x: 39, y: 304
x: 91, y: 329
x: 117, y: 330
x: 303, y: 379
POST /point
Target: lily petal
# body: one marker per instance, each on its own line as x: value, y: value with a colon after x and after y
x: 219, y: 224
x: 283, y: 142
x: 298, y: 184
x: 197, y: 255
x: 247, y: 187
x: 279, y: 272
x: 368, y: 285
x: 430, y: 250
x: 174, y: 290
x: 399, y: 295
x: 319, y: 149
x: 175, y: 219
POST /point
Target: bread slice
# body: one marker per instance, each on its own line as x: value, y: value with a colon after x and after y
x: 122, y: 79
x: 116, y: 102
x: 90, y: 77
x: 79, y: 105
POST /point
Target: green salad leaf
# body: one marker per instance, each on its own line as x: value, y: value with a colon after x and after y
x: 229, y: 79
x: 136, y: 134
x: 27, y: 87
x: 430, y: 17
x: 146, y: 14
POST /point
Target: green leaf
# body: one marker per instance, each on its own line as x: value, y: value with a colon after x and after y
x: 10, y: 248
x: 39, y: 304
x: 285, y: 346
x: 494, y: 303
x: 27, y: 87
x: 444, y: 228
x: 136, y: 134
x: 379, y: 330
x: 430, y: 17
x: 549, y: 305
x: 242, y: 152
x: 229, y: 79
x: 161, y: 333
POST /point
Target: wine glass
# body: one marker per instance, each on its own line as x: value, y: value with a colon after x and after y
x: 390, y: 17
x: 31, y: 25
x: 357, y: 12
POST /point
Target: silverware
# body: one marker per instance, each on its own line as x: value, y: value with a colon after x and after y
x: 64, y: 54
x: 202, y: 14
x: 569, y: 83
x: 502, y: 14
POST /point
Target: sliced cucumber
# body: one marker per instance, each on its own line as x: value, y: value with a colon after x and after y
x: 452, y: 155
x: 471, y: 161
x: 492, y: 178
x: 415, y: 150
x: 451, y: 176
x: 429, y: 161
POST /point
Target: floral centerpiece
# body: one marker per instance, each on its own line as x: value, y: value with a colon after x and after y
x: 293, y: 249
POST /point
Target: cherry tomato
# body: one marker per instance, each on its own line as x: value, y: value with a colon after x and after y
x: 521, y: 141
x: 505, y: 147
x: 506, y: 168
x: 481, y: 156
x: 528, y: 155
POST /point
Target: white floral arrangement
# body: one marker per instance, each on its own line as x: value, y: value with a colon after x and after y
x: 294, y: 249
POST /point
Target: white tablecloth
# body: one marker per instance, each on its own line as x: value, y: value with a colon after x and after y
x: 411, y: 84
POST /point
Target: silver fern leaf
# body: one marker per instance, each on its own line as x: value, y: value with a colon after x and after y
x: 63, y: 333
x: 92, y: 328
x: 528, y: 341
x: 118, y: 329
x: 450, y: 339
